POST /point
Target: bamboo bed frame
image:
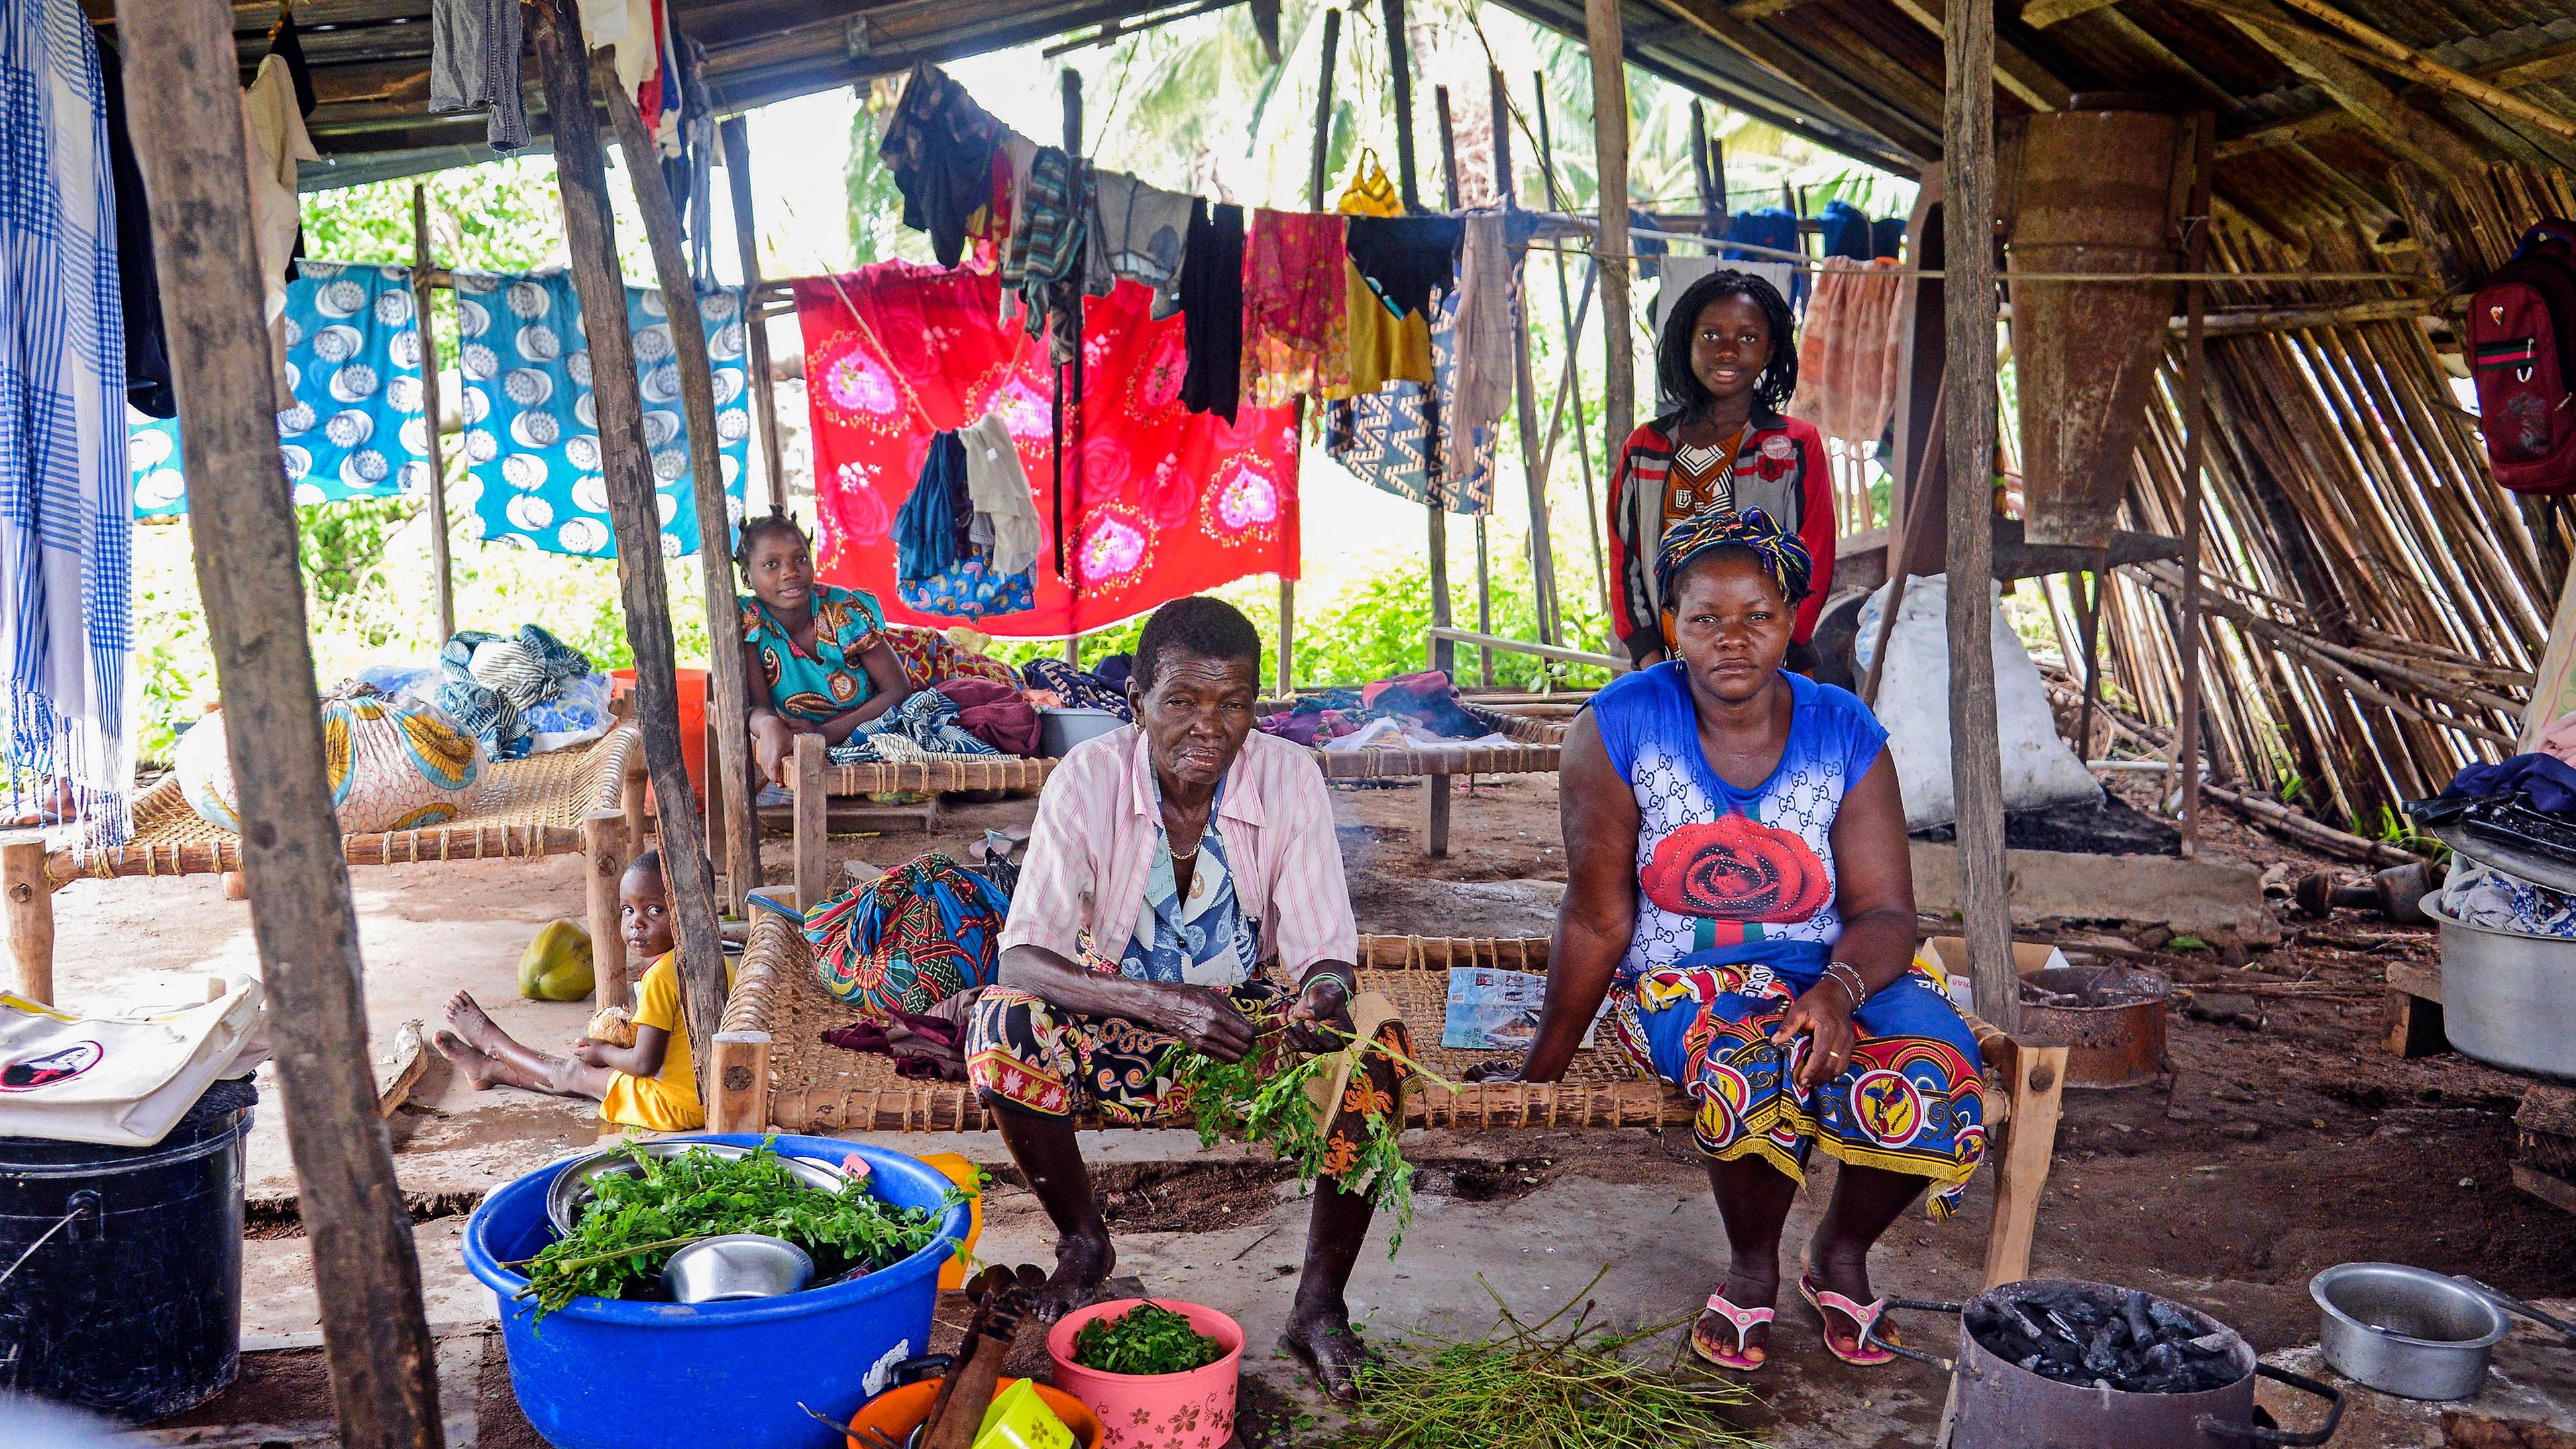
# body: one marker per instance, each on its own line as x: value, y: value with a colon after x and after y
x: 1536, y: 744
x: 772, y: 1071
x: 589, y: 801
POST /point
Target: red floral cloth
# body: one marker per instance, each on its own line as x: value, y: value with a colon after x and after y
x: 1164, y: 502
x: 1296, y: 329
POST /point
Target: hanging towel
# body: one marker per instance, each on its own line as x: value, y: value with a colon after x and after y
x: 1295, y: 337
x: 474, y: 66
x: 1485, y: 348
x: 999, y: 488
x: 1211, y: 297
x: 273, y: 141
x: 939, y: 145
x: 929, y: 537
x: 1138, y: 232
x: 1049, y: 240
x: 66, y: 524
x: 1847, y: 352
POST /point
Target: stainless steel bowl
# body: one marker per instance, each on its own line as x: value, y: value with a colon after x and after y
x: 573, y: 1188
x: 734, y: 1267
x: 1060, y: 730
x: 2404, y: 1330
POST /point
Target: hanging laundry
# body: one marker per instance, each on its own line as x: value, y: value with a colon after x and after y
x: 1211, y: 295
x: 356, y: 428
x: 474, y: 50
x: 532, y: 430
x: 147, y: 348
x: 930, y: 532
x: 1137, y: 233
x: 1385, y: 346
x: 273, y: 141
x: 1406, y: 259
x: 1848, y: 353
x: 1485, y: 350
x: 66, y: 525
x: 1774, y: 228
x: 1370, y: 193
x: 1296, y: 339
x: 1161, y: 502
x: 1049, y: 240
x: 939, y: 144
x: 1396, y: 438
x: 1845, y: 231
x: 1887, y: 238
x: 999, y: 488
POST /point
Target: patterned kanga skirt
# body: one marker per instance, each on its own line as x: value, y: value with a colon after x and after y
x: 1910, y: 1101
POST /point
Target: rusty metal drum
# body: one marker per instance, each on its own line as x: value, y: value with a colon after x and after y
x: 2112, y: 1019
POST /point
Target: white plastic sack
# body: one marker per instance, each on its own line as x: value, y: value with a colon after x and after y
x: 116, y: 1081
x: 1914, y: 704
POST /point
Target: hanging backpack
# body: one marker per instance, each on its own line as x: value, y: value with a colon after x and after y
x: 2522, y: 349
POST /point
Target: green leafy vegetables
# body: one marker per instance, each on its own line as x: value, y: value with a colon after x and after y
x: 636, y: 1221
x: 1146, y: 1339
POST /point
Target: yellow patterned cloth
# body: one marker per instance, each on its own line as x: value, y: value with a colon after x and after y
x: 394, y: 763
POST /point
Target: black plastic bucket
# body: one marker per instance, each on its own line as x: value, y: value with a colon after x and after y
x: 133, y: 1305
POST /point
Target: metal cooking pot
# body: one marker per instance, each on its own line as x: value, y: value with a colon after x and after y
x: 2406, y: 1331
x: 2002, y: 1405
x: 572, y: 1189
x: 2502, y: 994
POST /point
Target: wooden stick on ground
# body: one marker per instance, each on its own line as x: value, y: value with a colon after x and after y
x: 581, y: 170
x: 728, y: 699
x: 181, y: 71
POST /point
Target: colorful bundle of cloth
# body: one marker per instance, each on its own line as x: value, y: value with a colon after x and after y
x: 1052, y: 683
x: 918, y: 935
x: 995, y: 713
x: 930, y: 656
x: 1427, y: 699
x: 925, y: 724
x: 491, y: 682
x: 1315, y: 718
x: 2549, y: 782
x: 2482, y: 895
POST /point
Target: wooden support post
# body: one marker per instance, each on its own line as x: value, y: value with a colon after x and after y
x: 1573, y: 321
x: 742, y: 1083
x: 581, y: 172
x: 735, y: 134
x: 727, y: 890
x: 813, y: 821
x: 180, y: 70
x: 1316, y: 180
x: 2089, y: 624
x: 1399, y: 65
x: 1976, y: 766
x: 442, y: 571
x: 1712, y: 203
x: 729, y: 700
x: 1484, y: 569
x: 606, y: 849
x: 2036, y: 1081
x: 1610, y: 146
x: 1072, y: 91
x: 2203, y: 132
x: 633, y: 791
x: 1542, y: 548
x: 31, y: 917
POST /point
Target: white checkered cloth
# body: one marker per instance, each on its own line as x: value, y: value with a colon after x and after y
x: 66, y: 505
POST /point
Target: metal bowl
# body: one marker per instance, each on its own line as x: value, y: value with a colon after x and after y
x: 2406, y: 1331
x: 573, y: 1188
x: 736, y: 1266
x: 1060, y: 729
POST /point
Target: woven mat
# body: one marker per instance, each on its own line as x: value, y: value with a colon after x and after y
x: 819, y: 1088
x: 528, y: 807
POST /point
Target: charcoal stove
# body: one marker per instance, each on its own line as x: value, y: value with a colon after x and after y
x: 2001, y: 1405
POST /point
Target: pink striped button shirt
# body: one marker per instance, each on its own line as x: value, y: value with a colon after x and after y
x: 1092, y: 851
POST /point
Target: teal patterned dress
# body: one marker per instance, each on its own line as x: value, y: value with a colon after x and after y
x: 831, y: 681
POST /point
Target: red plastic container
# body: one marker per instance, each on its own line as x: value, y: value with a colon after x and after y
x: 1194, y: 1410
x: 693, y: 720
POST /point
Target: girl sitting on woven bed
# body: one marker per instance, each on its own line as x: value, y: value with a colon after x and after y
x: 1738, y: 884
x: 816, y: 656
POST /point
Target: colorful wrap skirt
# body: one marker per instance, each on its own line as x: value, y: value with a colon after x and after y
x: 1911, y: 1101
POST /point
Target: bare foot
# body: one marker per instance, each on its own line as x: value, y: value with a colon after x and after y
x: 1082, y: 1264
x: 479, y: 1069
x: 466, y: 1018
x: 1320, y: 1336
x: 1714, y: 1335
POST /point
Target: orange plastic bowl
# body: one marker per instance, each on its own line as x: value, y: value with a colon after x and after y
x: 897, y: 1412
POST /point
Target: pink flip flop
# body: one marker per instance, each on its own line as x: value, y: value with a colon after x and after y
x: 1864, y: 1319
x: 1745, y: 1321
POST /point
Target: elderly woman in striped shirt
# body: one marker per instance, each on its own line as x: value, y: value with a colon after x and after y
x: 1182, y: 890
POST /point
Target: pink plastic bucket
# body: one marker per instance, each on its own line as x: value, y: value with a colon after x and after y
x: 1194, y: 1410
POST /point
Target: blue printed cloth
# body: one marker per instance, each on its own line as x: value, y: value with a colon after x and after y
x: 1386, y: 438
x: 66, y: 524
x: 357, y: 429
x: 532, y: 431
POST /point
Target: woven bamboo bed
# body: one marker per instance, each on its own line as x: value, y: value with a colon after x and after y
x: 773, y: 1072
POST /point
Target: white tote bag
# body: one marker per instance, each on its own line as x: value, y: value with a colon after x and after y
x: 119, y: 1081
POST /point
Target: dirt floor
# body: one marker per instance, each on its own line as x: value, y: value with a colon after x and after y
x: 2284, y: 1139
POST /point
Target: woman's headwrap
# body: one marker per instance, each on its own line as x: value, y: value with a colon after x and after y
x: 1780, y: 552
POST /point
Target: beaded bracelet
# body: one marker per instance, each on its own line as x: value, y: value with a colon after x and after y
x: 1849, y: 978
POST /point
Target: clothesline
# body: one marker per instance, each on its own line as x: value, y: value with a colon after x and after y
x: 1817, y: 264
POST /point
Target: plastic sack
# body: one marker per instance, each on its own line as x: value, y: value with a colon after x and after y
x: 1914, y: 704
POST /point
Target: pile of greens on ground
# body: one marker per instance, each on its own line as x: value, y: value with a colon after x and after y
x: 1146, y: 1339
x: 636, y: 1221
x: 1521, y: 1389
x: 1270, y: 1107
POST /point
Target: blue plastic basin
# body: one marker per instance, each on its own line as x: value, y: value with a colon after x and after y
x: 603, y: 1373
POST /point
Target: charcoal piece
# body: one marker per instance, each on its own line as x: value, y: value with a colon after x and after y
x: 2134, y: 1309
x: 2163, y: 1358
x: 2033, y: 1363
x: 2171, y: 1319
x: 2210, y: 1343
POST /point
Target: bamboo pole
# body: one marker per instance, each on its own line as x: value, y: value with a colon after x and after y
x: 1601, y: 29
x: 1316, y: 180
x: 1969, y: 389
x: 2195, y: 422
x: 735, y: 133
x: 733, y: 814
x: 581, y: 171
x: 1399, y: 66
x: 1484, y: 569
x: 1065, y: 478
x: 442, y: 571
x: 1542, y: 550
x: 1573, y: 384
x: 2390, y: 52
x: 179, y: 71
